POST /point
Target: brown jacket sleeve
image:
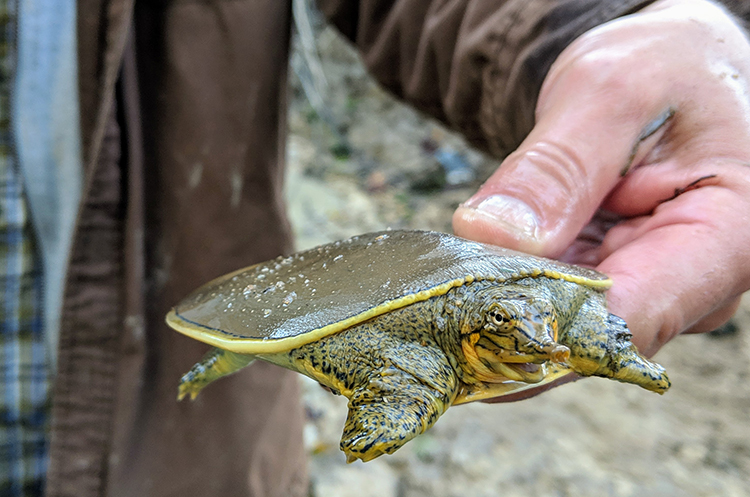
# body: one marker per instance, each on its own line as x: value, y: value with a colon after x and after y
x: 740, y: 9
x: 477, y: 65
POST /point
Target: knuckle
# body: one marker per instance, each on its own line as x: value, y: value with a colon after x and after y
x: 561, y: 174
x: 613, y: 76
x: 606, y: 74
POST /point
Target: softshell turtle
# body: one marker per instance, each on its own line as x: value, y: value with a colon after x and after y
x: 406, y: 324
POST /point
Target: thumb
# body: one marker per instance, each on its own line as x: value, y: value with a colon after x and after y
x: 587, y: 133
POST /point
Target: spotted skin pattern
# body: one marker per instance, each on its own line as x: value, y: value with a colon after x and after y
x: 403, y: 369
x: 395, y: 375
x: 600, y: 343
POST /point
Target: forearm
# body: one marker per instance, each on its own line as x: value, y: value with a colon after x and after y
x: 477, y: 65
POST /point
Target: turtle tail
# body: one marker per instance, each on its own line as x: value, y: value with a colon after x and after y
x: 214, y: 365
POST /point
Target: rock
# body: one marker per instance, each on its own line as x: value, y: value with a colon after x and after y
x: 591, y: 438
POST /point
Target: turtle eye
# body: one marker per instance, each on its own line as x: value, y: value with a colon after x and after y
x: 499, y: 318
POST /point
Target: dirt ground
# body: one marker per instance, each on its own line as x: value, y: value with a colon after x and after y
x: 363, y: 162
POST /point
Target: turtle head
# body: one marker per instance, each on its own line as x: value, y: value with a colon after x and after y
x: 509, y: 332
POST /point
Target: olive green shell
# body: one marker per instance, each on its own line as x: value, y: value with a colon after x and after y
x: 285, y: 303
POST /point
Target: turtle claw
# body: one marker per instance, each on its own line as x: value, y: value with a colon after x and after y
x: 643, y: 373
x: 388, y: 412
x: 199, y: 375
x: 629, y: 366
x: 368, y: 446
x: 367, y: 433
x: 188, y: 388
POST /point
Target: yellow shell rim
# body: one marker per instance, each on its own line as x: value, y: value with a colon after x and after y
x: 244, y: 345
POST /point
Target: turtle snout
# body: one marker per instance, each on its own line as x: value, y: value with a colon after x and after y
x: 559, y: 354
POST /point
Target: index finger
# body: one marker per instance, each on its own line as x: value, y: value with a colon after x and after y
x: 683, y: 262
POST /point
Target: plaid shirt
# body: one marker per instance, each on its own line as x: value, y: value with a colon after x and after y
x: 24, y: 380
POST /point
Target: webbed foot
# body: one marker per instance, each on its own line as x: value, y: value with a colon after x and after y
x: 610, y: 353
x: 629, y: 366
x: 388, y: 412
x: 215, y: 364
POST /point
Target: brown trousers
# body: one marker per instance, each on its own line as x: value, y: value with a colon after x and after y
x: 183, y: 183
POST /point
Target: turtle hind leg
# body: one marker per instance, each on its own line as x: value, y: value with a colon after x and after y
x: 215, y: 364
x: 390, y: 410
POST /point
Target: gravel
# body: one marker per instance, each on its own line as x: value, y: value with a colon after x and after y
x: 364, y: 167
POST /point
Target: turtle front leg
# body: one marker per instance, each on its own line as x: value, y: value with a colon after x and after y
x: 390, y: 410
x: 626, y: 364
x: 215, y: 364
x: 600, y: 345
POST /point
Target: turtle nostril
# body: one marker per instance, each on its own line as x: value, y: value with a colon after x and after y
x: 559, y: 354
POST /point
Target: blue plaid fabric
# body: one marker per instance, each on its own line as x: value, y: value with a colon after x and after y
x: 24, y: 380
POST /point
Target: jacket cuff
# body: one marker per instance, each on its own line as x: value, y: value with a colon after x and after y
x: 523, y: 56
x: 477, y: 65
x: 741, y: 11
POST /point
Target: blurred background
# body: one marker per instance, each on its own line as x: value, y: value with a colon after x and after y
x: 360, y: 161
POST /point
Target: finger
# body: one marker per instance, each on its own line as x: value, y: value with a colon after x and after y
x: 716, y: 319
x: 590, y: 122
x: 686, y: 262
x: 714, y: 194
x: 585, y: 250
x: 649, y: 186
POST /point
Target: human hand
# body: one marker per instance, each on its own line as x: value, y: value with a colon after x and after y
x: 674, y: 231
